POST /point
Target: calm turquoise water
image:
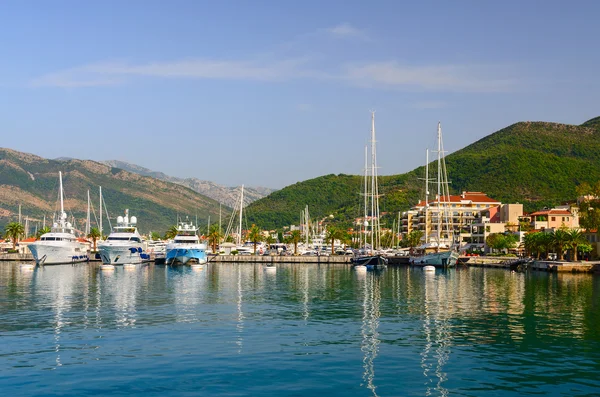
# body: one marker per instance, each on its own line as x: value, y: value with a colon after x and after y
x: 304, y: 330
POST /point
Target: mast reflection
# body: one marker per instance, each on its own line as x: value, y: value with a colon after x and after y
x: 436, y: 331
x: 369, y: 329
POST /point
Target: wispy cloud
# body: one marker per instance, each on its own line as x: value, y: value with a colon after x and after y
x: 422, y: 105
x: 464, y: 78
x: 379, y: 75
x: 345, y: 30
x: 111, y: 73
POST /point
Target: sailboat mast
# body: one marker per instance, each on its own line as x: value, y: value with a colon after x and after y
x: 365, y: 224
x: 241, y: 211
x: 426, y: 195
x: 439, y: 185
x: 100, y: 195
x: 87, y: 221
x: 375, y: 238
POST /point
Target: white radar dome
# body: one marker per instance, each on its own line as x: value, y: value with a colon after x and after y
x: 69, y: 224
x: 366, y: 223
x: 120, y: 219
x: 133, y: 219
x: 55, y: 224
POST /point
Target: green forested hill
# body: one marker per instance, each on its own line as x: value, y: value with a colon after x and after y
x: 534, y: 163
x: 32, y: 181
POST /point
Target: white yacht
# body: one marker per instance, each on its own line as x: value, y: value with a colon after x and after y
x: 124, y: 244
x: 186, y: 246
x: 60, y: 245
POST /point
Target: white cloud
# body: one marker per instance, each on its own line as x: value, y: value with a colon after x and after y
x: 464, y: 78
x: 379, y: 75
x: 115, y: 72
x: 429, y: 105
x: 346, y: 30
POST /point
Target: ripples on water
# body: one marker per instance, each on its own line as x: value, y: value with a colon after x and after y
x: 240, y: 330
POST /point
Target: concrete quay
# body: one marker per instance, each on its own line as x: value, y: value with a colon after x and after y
x: 542, y: 265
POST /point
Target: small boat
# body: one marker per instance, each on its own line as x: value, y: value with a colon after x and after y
x: 60, y: 245
x: 107, y: 267
x: 27, y: 266
x: 186, y: 247
x: 124, y: 244
x: 429, y: 268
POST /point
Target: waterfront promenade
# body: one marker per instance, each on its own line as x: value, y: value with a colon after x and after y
x: 479, y: 261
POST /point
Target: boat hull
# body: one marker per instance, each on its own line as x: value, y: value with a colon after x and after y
x: 119, y: 255
x: 56, y: 254
x: 184, y: 256
x: 371, y: 262
x: 443, y: 259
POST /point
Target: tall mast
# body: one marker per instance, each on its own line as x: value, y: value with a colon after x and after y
x: 439, y: 185
x: 375, y: 238
x: 100, y: 213
x: 62, y: 207
x: 426, y: 195
x: 87, y: 221
x: 365, y: 224
x: 241, y: 211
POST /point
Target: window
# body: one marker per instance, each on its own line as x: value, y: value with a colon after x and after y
x: 553, y: 218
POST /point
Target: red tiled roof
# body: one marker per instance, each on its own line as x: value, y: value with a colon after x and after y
x: 28, y: 240
x: 551, y: 212
x: 473, y: 197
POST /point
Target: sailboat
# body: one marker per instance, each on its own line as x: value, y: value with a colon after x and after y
x: 438, y: 248
x: 60, y: 245
x: 370, y: 258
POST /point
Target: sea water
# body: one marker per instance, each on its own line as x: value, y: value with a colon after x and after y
x: 297, y: 330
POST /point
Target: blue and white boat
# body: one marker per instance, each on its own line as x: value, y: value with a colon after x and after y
x: 124, y: 244
x: 186, y: 247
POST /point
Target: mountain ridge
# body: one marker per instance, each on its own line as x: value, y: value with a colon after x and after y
x: 224, y: 194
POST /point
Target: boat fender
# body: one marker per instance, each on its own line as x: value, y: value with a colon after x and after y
x: 133, y: 250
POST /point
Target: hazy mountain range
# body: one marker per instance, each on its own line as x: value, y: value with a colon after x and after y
x: 229, y: 196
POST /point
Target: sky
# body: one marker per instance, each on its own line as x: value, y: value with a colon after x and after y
x: 270, y: 93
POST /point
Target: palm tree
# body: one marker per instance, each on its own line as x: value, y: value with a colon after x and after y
x: 171, y: 233
x: 255, y: 236
x: 214, y: 237
x: 560, y: 239
x: 14, y: 230
x: 295, y: 238
x: 94, y: 235
x: 334, y: 233
x: 155, y: 236
x: 574, y: 239
x: 41, y: 232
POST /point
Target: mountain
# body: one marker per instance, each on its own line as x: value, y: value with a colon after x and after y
x: 534, y: 163
x: 229, y: 196
x: 32, y: 181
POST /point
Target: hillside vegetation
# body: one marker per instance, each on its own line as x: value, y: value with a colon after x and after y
x: 32, y: 181
x: 534, y: 163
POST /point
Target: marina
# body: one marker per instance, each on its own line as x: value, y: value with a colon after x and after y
x: 331, y: 330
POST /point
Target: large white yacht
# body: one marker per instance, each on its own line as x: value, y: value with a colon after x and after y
x: 60, y: 245
x: 124, y: 244
x: 186, y: 246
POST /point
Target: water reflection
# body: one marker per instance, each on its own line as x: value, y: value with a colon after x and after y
x: 437, y: 334
x: 369, y: 328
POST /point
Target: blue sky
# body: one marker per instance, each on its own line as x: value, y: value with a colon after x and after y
x: 271, y: 93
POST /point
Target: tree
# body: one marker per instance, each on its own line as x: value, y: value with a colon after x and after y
x: 155, y: 236
x: 214, y: 237
x: 255, y: 236
x: 171, y: 233
x: 295, y: 238
x: 559, y: 240
x: 14, y: 231
x: 270, y: 240
x: 501, y: 241
x: 589, y: 208
x: 414, y: 238
x: 42, y: 231
x: 574, y: 239
x: 334, y: 233
x: 94, y: 235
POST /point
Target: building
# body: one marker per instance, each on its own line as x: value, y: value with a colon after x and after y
x: 457, y: 214
x: 554, y: 218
